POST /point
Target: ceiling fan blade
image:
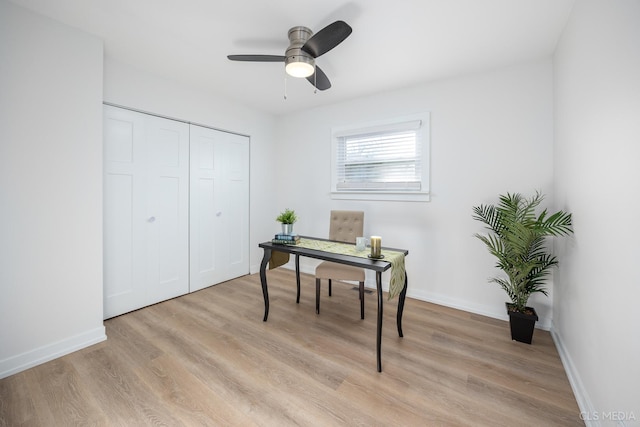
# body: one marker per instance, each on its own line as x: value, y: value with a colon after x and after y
x: 327, y: 38
x: 319, y: 79
x: 257, y: 58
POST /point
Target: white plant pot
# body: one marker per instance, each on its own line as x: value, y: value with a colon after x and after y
x: 287, y: 228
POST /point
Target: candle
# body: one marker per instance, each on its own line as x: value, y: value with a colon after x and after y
x: 376, y: 244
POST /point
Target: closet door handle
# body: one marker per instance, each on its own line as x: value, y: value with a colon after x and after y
x: 151, y: 219
x: 219, y: 213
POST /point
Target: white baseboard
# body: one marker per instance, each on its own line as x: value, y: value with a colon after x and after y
x: 496, y: 313
x: 580, y: 393
x: 29, y: 359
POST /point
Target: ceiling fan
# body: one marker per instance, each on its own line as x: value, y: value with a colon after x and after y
x: 304, y: 48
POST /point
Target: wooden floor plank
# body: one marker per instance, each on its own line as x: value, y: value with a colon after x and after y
x: 16, y: 402
x: 207, y: 358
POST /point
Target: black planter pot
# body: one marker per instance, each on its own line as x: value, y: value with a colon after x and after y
x: 522, y: 325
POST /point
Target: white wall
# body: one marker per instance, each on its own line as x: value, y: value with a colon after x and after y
x: 490, y: 133
x: 50, y: 189
x: 596, y: 317
x: 137, y: 89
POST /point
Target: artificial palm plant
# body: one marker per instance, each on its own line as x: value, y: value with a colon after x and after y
x: 518, y: 242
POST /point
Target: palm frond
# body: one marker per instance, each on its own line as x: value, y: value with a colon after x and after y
x: 489, y: 216
x: 558, y: 224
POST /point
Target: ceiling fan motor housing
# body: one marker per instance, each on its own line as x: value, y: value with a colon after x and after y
x: 294, y: 54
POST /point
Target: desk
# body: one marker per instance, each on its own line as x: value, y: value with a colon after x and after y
x: 378, y: 266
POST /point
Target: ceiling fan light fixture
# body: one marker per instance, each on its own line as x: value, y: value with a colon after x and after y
x: 304, y: 47
x: 299, y: 66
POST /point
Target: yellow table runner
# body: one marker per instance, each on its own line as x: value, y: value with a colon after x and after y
x: 396, y: 283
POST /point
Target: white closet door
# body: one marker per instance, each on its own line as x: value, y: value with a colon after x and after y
x: 146, y: 199
x: 124, y: 216
x: 167, y: 209
x: 219, y: 207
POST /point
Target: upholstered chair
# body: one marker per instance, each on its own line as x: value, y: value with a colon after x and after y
x: 344, y: 226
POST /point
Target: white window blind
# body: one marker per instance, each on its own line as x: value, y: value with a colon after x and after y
x: 380, y: 158
x: 385, y: 160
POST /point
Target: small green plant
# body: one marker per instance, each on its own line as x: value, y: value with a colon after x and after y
x: 288, y: 216
x: 518, y: 242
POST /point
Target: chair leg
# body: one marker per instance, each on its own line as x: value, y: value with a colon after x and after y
x: 329, y: 287
x: 361, y: 300
x: 317, y: 296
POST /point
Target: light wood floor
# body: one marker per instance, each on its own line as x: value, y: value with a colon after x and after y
x: 208, y: 359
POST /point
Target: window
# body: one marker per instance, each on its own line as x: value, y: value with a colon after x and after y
x: 382, y: 161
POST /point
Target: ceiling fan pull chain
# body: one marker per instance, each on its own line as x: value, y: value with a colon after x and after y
x: 315, y: 79
x: 285, y: 87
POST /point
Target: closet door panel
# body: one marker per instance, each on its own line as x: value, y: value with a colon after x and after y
x: 237, y: 202
x: 119, y: 273
x: 124, y: 228
x: 206, y: 251
x: 167, y: 209
x: 204, y: 257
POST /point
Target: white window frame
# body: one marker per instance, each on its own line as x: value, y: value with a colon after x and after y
x: 421, y: 120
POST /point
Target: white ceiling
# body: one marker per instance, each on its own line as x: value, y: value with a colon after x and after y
x: 394, y: 43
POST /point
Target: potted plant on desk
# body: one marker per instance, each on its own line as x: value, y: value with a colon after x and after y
x: 287, y: 217
x: 517, y: 240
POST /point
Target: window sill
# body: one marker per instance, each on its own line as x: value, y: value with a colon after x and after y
x: 377, y: 195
